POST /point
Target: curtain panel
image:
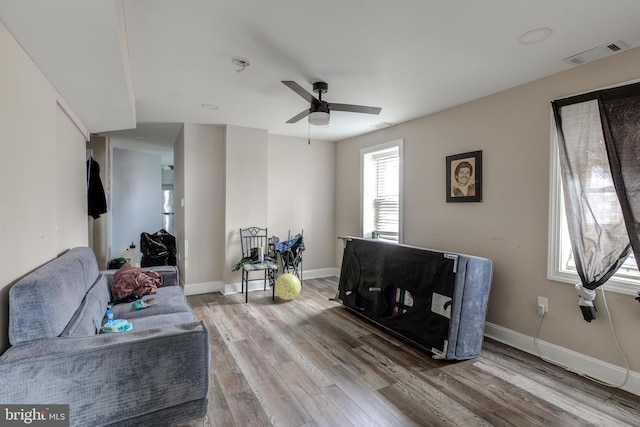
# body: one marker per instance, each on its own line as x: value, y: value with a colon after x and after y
x: 599, y: 152
x: 620, y: 112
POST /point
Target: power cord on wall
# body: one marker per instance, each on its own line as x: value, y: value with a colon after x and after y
x: 582, y: 374
x: 615, y: 339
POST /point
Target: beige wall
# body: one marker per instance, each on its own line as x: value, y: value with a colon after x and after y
x: 178, y: 196
x: 204, y: 177
x: 42, y: 172
x: 512, y: 128
x: 246, y: 190
x: 301, y: 195
x: 232, y: 177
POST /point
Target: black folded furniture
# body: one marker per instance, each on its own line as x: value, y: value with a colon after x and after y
x: 433, y: 299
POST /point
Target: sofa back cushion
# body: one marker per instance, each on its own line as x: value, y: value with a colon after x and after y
x: 88, y: 319
x: 42, y: 303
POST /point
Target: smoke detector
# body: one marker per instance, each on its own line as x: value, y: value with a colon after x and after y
x: 596, y: 53
x: 240, y: 62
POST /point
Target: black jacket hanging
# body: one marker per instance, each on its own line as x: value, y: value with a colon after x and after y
x: 96, y: 199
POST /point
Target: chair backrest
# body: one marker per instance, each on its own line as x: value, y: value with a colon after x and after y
x: 251, y: 239
x: 290, y: 251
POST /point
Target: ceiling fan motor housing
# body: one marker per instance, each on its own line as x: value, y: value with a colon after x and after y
x: 320, y: 87
x: 322, y: 106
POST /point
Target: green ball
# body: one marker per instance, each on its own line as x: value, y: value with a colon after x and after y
x: 288, y: 286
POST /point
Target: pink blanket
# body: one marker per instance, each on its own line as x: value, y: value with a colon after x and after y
x: 128, y: 280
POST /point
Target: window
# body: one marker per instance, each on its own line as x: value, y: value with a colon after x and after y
x: 381, y: 191
x: 561, y: 264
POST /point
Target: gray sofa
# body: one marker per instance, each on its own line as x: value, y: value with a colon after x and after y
x: 157, y: 374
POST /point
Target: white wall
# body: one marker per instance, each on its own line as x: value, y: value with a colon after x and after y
x: 512, y: 128
x: 136, y: 198
x: 42, y: 172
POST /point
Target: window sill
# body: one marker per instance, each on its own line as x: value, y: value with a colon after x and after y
x: 618, y: 285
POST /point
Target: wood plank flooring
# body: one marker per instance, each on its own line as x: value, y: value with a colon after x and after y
x: 312, y: 362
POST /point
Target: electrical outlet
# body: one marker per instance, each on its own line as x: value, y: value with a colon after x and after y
x: 543, y: 306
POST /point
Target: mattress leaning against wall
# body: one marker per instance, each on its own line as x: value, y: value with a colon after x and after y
x: 433, y: 299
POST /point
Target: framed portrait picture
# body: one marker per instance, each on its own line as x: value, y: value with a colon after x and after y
x: 464, y: 177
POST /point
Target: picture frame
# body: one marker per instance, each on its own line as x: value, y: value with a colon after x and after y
x: 464, y: 177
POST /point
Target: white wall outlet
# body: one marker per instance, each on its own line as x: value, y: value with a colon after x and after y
x: 543, y: 306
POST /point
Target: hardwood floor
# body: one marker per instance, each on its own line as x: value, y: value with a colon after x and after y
x: 312, y: 362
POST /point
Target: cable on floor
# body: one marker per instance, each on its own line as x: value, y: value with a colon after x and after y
x: 582, y: 374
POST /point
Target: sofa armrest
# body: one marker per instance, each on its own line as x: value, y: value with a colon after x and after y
x: 169, y: 273
x: 108, y: 378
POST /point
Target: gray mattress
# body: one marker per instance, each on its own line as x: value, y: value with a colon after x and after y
x: 433, y: 299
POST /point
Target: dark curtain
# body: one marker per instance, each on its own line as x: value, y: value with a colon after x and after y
x: 596, y: 227
x: 599, y: 150
x: 620, y: 113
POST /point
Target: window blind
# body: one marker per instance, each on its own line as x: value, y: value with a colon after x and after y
x: 387, y: 190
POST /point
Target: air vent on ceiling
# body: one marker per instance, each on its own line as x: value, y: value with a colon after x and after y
x: 382, y: 125
x: 596, y: 53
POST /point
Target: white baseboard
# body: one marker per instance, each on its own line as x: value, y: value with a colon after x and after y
x: 320, y: 272
x: 258, y: 284
x: 203, y: 288
x: 568, y: 359
x: 236, y: 288
x: 254, y: 284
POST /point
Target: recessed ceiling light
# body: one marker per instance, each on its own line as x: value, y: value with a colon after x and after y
x: 535, y: 36
x: 141, y: 137
x: 209, y: 106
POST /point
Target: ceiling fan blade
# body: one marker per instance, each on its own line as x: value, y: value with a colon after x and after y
x: 355, y: 108
x: 300, y: 91
x: 297, y: 117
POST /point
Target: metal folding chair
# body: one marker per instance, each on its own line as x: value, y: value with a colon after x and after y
x: 254, y: 242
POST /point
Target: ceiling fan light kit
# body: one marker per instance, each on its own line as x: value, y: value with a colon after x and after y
x: 319, y: 118
x: 319, y: 110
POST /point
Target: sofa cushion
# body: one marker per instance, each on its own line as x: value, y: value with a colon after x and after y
x: 169, y: 299
x: 88, y: 319
x: 113, y: 379
x: 42, y: 303
x: 162, y: 320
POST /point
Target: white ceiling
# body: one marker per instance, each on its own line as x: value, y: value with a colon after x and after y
x: 118, y: 63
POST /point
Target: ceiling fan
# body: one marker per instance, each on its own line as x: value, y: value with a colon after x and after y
x: 319, y: 110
